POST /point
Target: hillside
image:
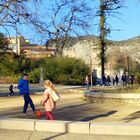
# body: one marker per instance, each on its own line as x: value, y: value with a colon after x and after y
x: 86, y: 48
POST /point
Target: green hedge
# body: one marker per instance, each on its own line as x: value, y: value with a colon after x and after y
x: 65, y: 70
x: 59, y: 70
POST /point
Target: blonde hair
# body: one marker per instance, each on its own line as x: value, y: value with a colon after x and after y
x: 49, y: 84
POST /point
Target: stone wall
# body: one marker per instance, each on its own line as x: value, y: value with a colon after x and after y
x: 114, y: 98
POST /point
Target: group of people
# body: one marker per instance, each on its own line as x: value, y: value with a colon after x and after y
x: 47, y: 99
x: 114, y: 80
x: 124, y: 78
x: 107, y: 80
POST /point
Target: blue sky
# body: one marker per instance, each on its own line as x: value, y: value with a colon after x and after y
x: 128, y: 23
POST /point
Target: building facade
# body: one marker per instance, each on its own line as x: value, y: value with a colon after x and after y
x: 20, y: 45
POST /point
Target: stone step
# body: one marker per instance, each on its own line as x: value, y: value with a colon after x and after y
x: 97, y: 128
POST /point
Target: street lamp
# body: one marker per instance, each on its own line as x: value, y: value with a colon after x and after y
x: 128, y: 67
x: 91, y: 67
x: 41, y: 75
x: 91, y: 81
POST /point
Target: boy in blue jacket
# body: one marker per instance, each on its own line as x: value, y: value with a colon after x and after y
x: 23, y: 87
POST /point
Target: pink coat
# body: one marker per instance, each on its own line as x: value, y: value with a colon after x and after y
x: 47, y: 100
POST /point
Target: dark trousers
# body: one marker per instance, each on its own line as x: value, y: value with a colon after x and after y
x: 124, y: 83
x: 28, y: 100
x: 11, y: 92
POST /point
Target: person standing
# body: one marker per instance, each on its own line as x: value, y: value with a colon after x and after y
x: 47, y: 99
x: 108, y: 79
x: 23, y: 86
x: 87, y: 81
x: 132, y: 79
x: 113, y: 80
x: 116, y: 79
x: 11, y: 93
x: 124, y: 79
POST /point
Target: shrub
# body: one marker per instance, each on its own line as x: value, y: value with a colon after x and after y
x: 58, y: 70
x: 34, y: 76
x: 65, y: 70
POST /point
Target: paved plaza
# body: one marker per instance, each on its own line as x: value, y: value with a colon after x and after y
x: 71, y: 107
x: 36, y: 135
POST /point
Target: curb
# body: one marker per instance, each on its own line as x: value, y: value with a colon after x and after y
x: 100, y: 128
x: 112, y: 95
x: 123, y: 98
x: 62, y: 126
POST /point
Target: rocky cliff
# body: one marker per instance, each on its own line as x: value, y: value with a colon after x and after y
x: 86, y: 48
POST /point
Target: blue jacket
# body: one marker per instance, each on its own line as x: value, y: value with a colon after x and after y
x: 23, y: 86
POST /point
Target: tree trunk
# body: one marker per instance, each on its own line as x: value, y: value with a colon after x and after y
x: 102, y: 40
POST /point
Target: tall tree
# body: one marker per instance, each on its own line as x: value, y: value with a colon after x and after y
x: 107, y: 8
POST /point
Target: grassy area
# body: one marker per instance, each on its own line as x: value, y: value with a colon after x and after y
x: 127, y: 89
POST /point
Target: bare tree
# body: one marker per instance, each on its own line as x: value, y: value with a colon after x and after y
x: 68, y: 18
x: 15, y: 13
x: 12, y: 13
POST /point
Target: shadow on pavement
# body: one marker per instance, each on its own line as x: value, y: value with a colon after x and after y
x: 132, y: 117
x: 60, y: 134
x: 76, y: 112
x: 66, y: 113
x: 98, y: 116
x: 66, y: 128
x: 72, y: 106
x: 85, y: 119
x: 5, y: 94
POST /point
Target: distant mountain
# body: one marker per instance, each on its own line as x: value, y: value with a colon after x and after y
x: 86, y: 48
x: 130, y: 46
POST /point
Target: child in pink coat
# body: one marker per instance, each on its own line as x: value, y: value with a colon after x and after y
x: 47, y: 100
